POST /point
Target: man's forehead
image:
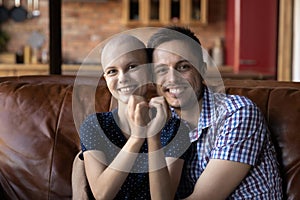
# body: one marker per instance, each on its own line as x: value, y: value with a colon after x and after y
x: 181, y: 49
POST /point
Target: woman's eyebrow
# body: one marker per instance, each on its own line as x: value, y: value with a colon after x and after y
x: 108, y: 68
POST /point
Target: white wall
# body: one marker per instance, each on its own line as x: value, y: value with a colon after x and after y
x: 296, y: 44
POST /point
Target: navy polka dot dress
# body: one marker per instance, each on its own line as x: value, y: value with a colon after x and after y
x: 100, y: 132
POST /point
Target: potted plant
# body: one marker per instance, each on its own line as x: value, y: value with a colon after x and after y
x: 4, y: 38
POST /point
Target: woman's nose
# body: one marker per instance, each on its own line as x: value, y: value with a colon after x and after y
x: 123, y: 77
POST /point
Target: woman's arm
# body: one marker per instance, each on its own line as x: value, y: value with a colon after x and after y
x: 164, y: 173
x: 105, y: 181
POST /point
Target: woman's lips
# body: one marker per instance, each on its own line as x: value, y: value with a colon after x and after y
x: 127, y: 89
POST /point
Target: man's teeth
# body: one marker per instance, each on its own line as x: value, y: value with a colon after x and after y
x: 175, y: 90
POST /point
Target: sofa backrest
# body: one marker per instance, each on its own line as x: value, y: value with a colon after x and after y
x: 39, y: 139
x: 280, y: 104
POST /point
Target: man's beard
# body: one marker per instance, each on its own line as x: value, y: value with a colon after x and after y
x: 193, y: 101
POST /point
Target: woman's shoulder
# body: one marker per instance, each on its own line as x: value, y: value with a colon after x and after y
x: 98, y: 116
x: 96, y: 120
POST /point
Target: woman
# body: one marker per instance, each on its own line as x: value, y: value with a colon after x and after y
x: 121, y: 146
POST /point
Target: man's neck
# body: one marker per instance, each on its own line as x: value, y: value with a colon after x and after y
x: 191, y: 114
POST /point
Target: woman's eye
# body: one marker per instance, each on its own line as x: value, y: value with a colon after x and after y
x: 111, y: 72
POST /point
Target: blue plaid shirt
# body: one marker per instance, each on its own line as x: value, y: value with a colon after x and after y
x: 232, y: 128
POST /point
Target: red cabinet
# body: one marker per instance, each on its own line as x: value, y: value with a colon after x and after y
x: 251, y: 35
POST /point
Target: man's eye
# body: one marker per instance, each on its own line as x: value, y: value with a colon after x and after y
x: 183, y: 67
x: 161, y: 70
x: 132, y: 66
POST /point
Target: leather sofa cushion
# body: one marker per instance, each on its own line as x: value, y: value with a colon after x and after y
x: 39, y: 139
x: 284, y: 123
x: 31, y: 146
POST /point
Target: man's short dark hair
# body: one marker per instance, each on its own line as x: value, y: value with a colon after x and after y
x: 170, y: 33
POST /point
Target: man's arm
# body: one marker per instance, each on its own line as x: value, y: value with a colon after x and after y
x: 219, y: 179
x: 238, y: 145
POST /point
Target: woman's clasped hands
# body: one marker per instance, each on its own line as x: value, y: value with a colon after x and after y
x: 146, y: 119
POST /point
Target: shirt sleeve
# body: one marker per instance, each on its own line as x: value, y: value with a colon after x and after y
x: 242, y: 136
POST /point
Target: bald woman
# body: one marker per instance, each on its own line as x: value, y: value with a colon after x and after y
x: 129, y: 154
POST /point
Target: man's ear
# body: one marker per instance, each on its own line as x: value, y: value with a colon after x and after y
x: 203, y: 69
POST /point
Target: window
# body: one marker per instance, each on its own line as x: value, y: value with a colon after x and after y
x: 134, y: 10
x: 196, y: 10
x: 175, y: 10
x: 152, y: 12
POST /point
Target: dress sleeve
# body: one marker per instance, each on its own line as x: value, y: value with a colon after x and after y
x: 241, y: 136
x: 178, y: 145
x: 91, y: 134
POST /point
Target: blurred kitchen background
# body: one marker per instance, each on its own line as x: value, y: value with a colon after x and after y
x: 251, y: 39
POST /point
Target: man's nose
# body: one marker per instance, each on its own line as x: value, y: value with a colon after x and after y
x: 173, y: 74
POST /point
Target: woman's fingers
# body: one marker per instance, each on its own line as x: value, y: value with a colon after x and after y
x: 138, y: 110
x: 160, y: 118
x: 150, y: 117
x: 160, y: 105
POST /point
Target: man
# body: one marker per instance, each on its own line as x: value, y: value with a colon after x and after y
x: 234, y: 157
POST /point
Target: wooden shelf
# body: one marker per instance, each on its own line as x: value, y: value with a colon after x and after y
x: 226, y: 72
x: 43, y: 69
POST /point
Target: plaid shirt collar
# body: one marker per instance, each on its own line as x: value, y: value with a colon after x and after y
x: 207, y: 115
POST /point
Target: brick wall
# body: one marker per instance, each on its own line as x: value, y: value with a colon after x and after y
x: 85, y: 25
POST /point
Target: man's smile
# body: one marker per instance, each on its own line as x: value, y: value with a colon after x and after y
x: 175, y: 90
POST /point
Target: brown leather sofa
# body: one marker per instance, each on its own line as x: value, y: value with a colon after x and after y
x: 39, y: 139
